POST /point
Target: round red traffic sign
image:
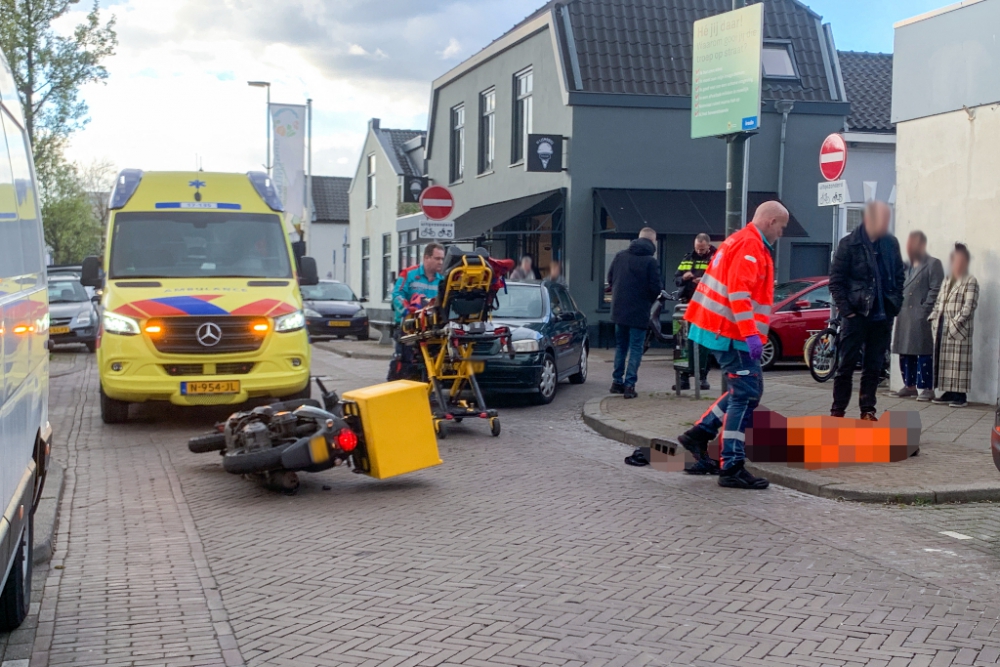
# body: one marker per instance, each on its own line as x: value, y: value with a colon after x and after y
x: 833, y: 157
x: 437, y: 202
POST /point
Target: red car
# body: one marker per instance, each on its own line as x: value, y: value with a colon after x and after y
x: 800, y: 307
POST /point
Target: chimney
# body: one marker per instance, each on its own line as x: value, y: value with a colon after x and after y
x: 373, y: 124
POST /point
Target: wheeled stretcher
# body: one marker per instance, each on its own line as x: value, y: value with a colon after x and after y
x: 450, y: 329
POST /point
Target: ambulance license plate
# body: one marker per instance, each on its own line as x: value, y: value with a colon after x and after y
x: 56, y: 331
x: 200, y: 388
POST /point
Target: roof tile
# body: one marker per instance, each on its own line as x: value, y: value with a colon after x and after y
x: 868, y: 81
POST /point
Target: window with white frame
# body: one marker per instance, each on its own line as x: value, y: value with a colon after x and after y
x: 457, y: 170
x: 370, y: 180
x: 521, y: 126
x: 387, y: 274
x: 365, y: 267
x: 487, y: 130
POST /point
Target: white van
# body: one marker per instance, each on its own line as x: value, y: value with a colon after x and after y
x: 25, y: 435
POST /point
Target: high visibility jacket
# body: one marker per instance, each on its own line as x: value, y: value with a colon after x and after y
x: 735, y: 295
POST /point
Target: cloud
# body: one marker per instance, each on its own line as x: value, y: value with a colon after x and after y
x: 177, y: 86
x: 452, y: 50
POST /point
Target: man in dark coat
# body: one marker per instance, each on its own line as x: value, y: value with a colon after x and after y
x: 688, y: 275
x: 912, y: 339
x: 635, y: 283
x: 866, y: 282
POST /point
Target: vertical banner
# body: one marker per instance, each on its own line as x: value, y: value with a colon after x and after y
x: 289, y: 137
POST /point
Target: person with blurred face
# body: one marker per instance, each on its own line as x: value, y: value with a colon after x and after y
x: 525, y: 272
x: 951, y: 321
x: 912, y: 338
x: 866, y: 283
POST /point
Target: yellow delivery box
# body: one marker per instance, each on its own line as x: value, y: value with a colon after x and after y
x: 398, y: 428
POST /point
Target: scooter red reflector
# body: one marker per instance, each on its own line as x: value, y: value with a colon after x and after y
x: 347, y: 440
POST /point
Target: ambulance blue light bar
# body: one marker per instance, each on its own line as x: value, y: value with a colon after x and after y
x: 264, y: 186
x: 125, y: 186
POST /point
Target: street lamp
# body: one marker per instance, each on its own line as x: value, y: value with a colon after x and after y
x: 266, y: 84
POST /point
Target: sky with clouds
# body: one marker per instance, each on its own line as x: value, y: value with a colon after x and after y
x: 177, y: 94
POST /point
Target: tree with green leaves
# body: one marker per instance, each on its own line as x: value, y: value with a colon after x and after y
x: 49, y: 68
x: 72, y: 230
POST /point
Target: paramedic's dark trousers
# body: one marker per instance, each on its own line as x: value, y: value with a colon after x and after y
x: 733, y: 412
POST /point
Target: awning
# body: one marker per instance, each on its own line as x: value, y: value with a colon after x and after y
x: 680, y: 211
x: 476, y: 221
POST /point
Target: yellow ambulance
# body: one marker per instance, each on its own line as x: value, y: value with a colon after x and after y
x: 200, y: 299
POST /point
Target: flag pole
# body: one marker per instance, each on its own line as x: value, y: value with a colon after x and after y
x: 307, y: 223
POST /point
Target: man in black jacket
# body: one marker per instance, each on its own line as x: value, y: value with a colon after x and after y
x: 866, y: 282
x: 687, y: 277
x: 634, y: 278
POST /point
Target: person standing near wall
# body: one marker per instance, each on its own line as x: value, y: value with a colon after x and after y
x: 912, y: 337
x: 952, y: 320
x: 688, y: 275
x: 635, y: 283
x: 526, y: 271
x: 866, y: 283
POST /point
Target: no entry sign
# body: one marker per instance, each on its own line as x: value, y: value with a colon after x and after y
x: 833, y: 157
x: 437, y: 202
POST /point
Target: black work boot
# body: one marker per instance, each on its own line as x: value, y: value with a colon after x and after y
x: 737, y: 477
x: 695, y: 441
x: 617, y: 388
x: 704, y: 466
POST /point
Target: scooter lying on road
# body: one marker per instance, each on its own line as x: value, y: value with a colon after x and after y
x: 273, y: 442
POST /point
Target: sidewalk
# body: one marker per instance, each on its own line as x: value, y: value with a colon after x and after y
x: 356, y: 349
x: 954, y: 464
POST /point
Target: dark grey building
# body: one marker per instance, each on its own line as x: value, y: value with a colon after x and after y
x: 614, y: 78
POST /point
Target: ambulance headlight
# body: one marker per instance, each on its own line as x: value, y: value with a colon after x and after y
x: 290, y: 322
x: 119, y: 324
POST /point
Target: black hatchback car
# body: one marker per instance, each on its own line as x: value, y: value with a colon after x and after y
x: 550, y: 341
x: 333, y: 311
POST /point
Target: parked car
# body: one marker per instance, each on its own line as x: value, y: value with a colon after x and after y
x: 333, y: 311
x: 73, y: 318
x: 800, y: 306
x: 550, y: 340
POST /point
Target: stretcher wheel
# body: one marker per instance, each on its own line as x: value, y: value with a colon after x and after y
x: 495, y: 426
x: 440, y: 429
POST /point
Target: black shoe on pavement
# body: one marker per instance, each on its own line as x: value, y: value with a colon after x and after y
x: 630, y: 392
x: 945, y: 398
x: 705, y: 386
x: 637, y: 459
x: 694, y: 443
x: 685, y: 384
x: 737, y: 477
x: 704, y: 466
x: 617, y: 388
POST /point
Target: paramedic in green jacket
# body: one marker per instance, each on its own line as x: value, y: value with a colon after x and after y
x: 423, y: 279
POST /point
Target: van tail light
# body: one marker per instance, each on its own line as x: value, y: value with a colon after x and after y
x: 347, y: 440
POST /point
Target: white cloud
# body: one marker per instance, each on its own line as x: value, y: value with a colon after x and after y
x: 452, y: 50
x: 177, y: 86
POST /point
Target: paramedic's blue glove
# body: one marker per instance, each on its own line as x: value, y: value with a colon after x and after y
x: 756, y: 347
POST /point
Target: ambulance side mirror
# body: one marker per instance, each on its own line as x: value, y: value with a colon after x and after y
x: 308, y: 273
x: 90, y: 275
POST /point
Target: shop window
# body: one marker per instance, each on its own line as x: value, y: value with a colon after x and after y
x: 457, y: 169
x: 409, y: 249
x: 611, y: 248
x: 521, y: 127
x: 365, y: 267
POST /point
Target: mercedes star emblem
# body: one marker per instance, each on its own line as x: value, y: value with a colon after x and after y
x: 209, y: 334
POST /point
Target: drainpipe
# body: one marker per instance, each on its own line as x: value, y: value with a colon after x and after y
x: 784, y: 107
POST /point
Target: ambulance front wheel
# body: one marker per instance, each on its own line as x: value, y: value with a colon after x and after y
x: 495, y: 426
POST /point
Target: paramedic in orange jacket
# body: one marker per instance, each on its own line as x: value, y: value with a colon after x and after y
x: 729, y: 314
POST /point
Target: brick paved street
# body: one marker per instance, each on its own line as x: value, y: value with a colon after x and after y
x: 537, y: 548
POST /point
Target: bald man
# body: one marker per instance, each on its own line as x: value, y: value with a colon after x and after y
x: 729, y: 314
x: 866, y: 283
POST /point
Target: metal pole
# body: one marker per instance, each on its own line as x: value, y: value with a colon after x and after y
x: 307, y: 223
x: 696, y: 370
x: 735, y: 175
x: 268, y: 165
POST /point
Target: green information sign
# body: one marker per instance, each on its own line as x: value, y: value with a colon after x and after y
x: 725, y: 88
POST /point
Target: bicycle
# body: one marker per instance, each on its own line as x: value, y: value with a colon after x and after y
x: 822, y: 356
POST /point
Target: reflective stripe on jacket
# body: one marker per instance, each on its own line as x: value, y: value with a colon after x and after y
x: 735, y: 295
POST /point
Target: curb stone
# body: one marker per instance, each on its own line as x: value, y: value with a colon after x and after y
x: 47, y: 513
x: 800, y: 479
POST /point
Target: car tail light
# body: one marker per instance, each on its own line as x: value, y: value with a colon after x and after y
x: 347, y: 440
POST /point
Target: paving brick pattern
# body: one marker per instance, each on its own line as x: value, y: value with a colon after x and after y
x: 536, y: 548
